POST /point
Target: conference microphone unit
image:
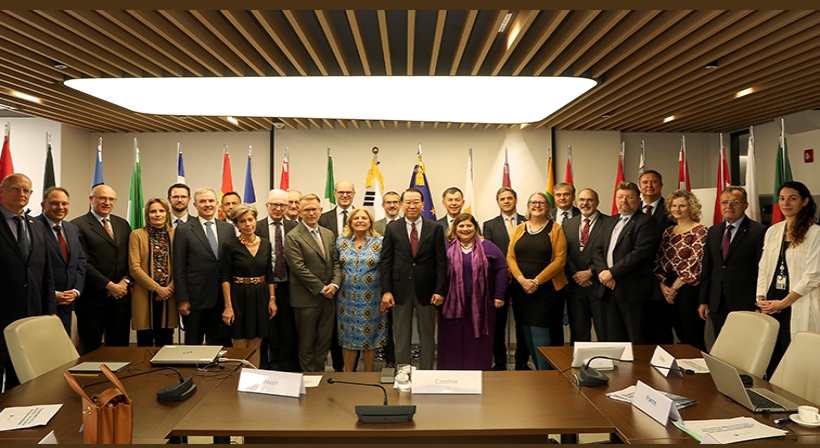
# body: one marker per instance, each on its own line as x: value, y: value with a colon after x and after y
x: 380, y: 414
x: 591, y: 377
x: 180, y: 391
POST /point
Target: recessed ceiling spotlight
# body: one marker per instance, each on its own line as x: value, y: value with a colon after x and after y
x: 606, y: 115
x: 60, y: 66
x: 182, y: 117
x: 712, y: 65
x: 504, y: 22
x: 26, y: 96
x: 232, y: 120
x: 668, y: 119
x: 744, y: 92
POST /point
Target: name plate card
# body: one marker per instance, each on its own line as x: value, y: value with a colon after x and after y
x: 662, y: 358
x: 271, y: 382
x: 655, y: 404
x: 446, y: 382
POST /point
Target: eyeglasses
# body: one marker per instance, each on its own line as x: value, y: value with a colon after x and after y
x: 537, y: 203
x: 621, y: 197
x: 105, y: 199
x: 734, y: 202
x: 16, y: 189
x: 310, y: 210
x: 276, y: 205
x: 179, y: 198
x: 345, y: 193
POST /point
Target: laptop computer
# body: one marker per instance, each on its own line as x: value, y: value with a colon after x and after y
x: 728, y: 382
x: 186, y: 355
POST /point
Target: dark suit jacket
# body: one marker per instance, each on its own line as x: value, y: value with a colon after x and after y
x: 26, y: 286
x: 443, y: 222
x: 662, y: 217
x: 263, y: 227
x: 427, y: 271
x: 575, y: 212
x: 741, y: 263
x: 196, y: 268
x: 578, y: 260
x: 633, y: 257
x: 68, y: 274
x: 309, y: 270
x: 329, y: 221
x: 107, y: 259
x: 495, y: 231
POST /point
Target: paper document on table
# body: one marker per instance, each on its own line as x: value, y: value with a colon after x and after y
x: 27, y: 416
x: 626, y: 395
x: 731, y: 430
x: 698, y: 365
x: 311, y: 380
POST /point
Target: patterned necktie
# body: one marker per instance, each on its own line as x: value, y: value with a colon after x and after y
x: 648, y: 210
x: 279, y: 253
x: 585, y: 232
x: 510, y: 225
x: 61, y: 240
x: 414, y: 238
x: 727, y: 240
x: 22, y: 237
x: 107, y: 228
x: 565, y: 216
x: 344, y: 219
x: 318, y: 239
x: 209, y: 232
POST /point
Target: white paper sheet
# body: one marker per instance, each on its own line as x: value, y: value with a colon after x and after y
x: 27, y: 416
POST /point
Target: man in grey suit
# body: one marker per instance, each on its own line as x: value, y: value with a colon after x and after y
x: 564, y: 203
x: 196, y: 271
x: 66, y: 252
x: 583, y: 299
x: 315, y: 275
x: 497, y: 231
x: 414, y: 275
x: 391, y: 203
x: 279, y: 350
x: 453, y: 201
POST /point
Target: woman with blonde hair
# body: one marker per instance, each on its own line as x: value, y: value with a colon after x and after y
x: 153, y: 308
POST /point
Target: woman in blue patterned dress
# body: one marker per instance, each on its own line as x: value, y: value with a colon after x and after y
x: 361, y: 325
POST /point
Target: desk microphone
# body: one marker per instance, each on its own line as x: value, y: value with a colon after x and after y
x: 591, y: 377
x: 380, y: 414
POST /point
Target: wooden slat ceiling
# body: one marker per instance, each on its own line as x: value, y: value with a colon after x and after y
x: 650, y: 64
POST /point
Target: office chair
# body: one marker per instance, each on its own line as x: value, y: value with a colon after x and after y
x: 37, y: 345
x: 746, y: 341
x: 797, y: 371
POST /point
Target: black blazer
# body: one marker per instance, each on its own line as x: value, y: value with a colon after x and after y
x: 329, y: 221
x: 741, y: 263
x: 263, y: 227
x: 26, y: 286
x: 578, y: 260
x: 107, y: 259
x: 662, y: 217
x: 196, y: 268
x: 427, y: 271
x: 554, y: 211
x: 495, y: 231
x: 68, y: 274
x: 633, y: 257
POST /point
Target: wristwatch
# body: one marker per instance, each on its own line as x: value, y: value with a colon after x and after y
x: 674, y: 288
x: 128, y: 281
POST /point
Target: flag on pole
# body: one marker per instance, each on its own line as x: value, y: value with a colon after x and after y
x: 180, y: 166
x: 135, y: 202
x: 683, y: 170
x: 98, y: 172
x: 618, y: 179
x: 505, y: 175
x: 6, y: 164
x: 568, y: 175
x: 250, y: 193
x: 418, y: 180
x: 330, y: 184
x: 642, y: 163
x: 469, y: 197
x: 550, y: 180
x: 722, y: 180
x: 48, y: 174
x: 782, y: 173
x: 227, y: 180
x: 284, y: 179
x: 751, y: 178
x: 374, y: 186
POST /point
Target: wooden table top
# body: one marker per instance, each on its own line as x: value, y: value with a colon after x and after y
x: 153, y: 418
x: 527, y: 403
x: 633, y: 426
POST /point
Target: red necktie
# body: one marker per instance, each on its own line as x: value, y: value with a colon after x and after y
x: 727, y: 240
x: 414, y: 238
x: 61, y: 240
x: 585, y: 232
x: 648, y: 210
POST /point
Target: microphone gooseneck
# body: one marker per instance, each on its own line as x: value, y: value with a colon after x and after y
x: 332, y: 381
x: 591, y: 377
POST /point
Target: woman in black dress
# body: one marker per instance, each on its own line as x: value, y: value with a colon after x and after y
x: 247, y: 282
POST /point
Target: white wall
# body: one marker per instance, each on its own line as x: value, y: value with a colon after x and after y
x: 28, y: 152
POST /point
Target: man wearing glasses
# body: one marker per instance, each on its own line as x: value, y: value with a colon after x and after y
x: 104, y: 308
x: 27, y: 284
x: 179, y: 196
x: 623, y: 260
x: 279, y: 350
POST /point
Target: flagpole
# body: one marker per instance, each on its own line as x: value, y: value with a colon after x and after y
x: 783, y: 145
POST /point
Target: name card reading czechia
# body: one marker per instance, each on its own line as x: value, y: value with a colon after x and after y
x: 447, y: 382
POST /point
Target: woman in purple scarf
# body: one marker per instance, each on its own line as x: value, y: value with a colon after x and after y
x: 478, y: 276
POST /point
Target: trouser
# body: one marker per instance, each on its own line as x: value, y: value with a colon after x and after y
x: 112, y: 321
x: 584, y: 308
x: 625, y: 321
x: 403, y: 330
x: 315, y: 326
x: 284, y: 339
x: 537, y: 337
x: 499, y: 338
x: 202, y: 324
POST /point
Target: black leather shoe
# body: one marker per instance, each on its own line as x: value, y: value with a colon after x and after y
x: 522, y: 367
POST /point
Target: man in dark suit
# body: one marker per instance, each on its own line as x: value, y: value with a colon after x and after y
x: 280, y: 350
x: 68, y: 261
x: 196, y: 271
x: 315, y: 275
x: 391, y: 203
x: 27, y: 284
x: 292, y: 213
x: 583, y: 300
x: 731, y: 254
x: 497, y: 231
x: 564, y: 203
x: 414, y: 275
x: 623, y: 259
x: 453, y: 201
x: 179, y: 196
x: 104, y: 308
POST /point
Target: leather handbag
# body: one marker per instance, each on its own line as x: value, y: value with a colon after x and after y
x: 107, y: 416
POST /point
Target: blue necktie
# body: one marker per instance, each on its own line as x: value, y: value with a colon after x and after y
x: 212, y: 238
x: 22, y: 237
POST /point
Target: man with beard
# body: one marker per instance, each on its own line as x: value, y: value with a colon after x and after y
x: 179, y: 196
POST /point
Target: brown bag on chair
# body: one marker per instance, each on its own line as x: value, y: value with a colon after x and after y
x: 107, y: 416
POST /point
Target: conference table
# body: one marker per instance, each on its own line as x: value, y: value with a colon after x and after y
x: 153, y: 418
x: 515, y: 407
x: 634, y: 426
